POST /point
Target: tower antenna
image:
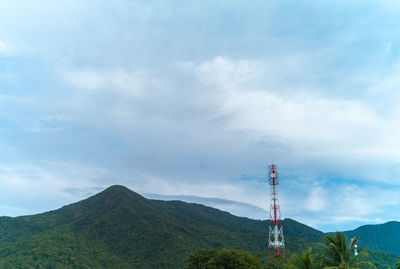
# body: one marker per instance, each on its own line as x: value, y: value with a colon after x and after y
x: 355, y: 250
x: 276, y: 242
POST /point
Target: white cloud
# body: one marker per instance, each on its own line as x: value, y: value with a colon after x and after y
x: 4, y: 48
x: 44, y: 181
x: 235, y: 208
x: 350, y: 137
x: 316, y: 127
x: 50, y: 123
x: 316, y: 200
x: 337, y: 204
x: 166, y: 186
x: 87, y: 79
x: 116, y: 81
x: 13, y: 211
x: 240, y: 98
x: 225, y: 73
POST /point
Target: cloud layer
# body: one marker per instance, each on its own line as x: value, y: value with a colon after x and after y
x: 197, y: 98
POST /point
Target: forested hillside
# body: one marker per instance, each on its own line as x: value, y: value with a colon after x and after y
x: 384, y: 237
x: 118, y: 228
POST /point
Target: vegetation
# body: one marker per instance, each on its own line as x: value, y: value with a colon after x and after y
x: 277, y: 262
x: 224, y: 258
x: 380, y: 259
x: 340, y: 255
x: 118, y: 228
x: 384, y: 237
x: 336, y: 254
x: 232, y: 259
x: 304, y: 261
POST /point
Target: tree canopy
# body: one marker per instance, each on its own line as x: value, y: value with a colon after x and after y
x: 334, y: 252
x: 340, y: 255
x: 224, y: 259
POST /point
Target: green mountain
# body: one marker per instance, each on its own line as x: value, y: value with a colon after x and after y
x: 384, y: 237
x: 118, y: 228
x: 296, y: 229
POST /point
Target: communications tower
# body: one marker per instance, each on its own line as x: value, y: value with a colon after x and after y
x: 276, y: 243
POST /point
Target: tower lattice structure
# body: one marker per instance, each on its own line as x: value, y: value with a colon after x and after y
x: 276, y: 242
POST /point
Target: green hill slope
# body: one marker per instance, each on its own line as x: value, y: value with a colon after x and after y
x: 296, y: 229
x: 384, y: 237
x: 118, y: 228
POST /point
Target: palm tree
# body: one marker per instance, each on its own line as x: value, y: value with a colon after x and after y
x: 303, y: 261
x: 340, y: 255
x: 398, y: 265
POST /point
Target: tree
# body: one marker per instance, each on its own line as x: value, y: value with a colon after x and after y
x: 224, y: 259
x: 339, y: 254
x: 398, y: 265
x: 277, y: 262
x: 303, y: 261
x: 199, y: 258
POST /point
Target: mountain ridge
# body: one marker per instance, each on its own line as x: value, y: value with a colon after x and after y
x: 384, y: 237
x: 118, y: 228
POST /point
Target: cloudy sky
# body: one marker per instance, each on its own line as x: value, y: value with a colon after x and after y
x: 196, y: 98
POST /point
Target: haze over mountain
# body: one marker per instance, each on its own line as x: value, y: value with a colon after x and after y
x: 236, y: 208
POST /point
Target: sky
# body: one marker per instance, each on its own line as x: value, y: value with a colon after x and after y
x: 196, y: 99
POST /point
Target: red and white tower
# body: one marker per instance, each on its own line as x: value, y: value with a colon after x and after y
x: 276, y: 243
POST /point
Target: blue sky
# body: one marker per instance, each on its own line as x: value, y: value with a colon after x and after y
x: 196, y: 98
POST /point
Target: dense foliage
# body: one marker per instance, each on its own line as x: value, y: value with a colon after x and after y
x: 339, y: 254
x: 304, y: 261
x: 336, y: 254
x: 224, y: 259
x: 384, y: 237
x: 233, y: 259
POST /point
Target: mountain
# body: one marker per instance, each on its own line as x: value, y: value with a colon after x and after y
x: 292, y: 227
x: 296, y: 229
x: 236, y: 208
x: 118, y: 228
x: 384, y: 237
